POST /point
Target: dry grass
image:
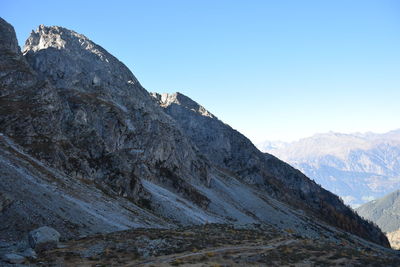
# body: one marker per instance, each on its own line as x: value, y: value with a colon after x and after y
x: 212, y: 245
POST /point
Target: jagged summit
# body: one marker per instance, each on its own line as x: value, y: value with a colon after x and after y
x: 8, y: 40
x: 15, y: 72
x: 70, y: 57
x: 180, y: 99
x: 62, y: 38
x: 57, y: 37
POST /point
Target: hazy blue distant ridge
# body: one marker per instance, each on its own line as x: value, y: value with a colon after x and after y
x: 358, y: 167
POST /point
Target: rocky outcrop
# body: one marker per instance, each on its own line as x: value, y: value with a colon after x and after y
x: 13, y: 258
x: 394, y: 239
x: 44, y: 238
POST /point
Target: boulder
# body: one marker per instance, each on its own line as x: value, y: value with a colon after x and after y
x: 29, y: 253
x: 44, y: 238
x: 13, y: 258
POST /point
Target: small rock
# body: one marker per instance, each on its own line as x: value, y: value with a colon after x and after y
x: 62, y: 246
x: 5, y: 201
x: 13, y: 258
x: 44, y: 238
x: 29, y: 253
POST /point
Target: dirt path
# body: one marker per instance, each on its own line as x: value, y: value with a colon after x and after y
x: 227, y: 249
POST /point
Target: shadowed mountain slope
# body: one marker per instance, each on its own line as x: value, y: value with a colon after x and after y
x: 229, y: 150
x: 385, y: 211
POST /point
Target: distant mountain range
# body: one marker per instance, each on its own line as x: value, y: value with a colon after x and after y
x: 358, y: 167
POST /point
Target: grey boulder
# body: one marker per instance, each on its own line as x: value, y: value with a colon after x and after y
x: 29, y: 253
x: 13, y: 258
x: 44, y: 238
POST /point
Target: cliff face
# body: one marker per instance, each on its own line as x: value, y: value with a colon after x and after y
x: 32, y: 141
x: 230, y: 150
x: 112, y: 131
x: 73, y: 111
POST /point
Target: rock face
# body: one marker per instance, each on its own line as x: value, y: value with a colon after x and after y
x: 357, y: 167
x: 84, y: 148
x: 111, y: 122
x: 80, y: 195
x: 44, y: 238
x: 8, y: 39
x: 394, y: 239
x: 228, y: 149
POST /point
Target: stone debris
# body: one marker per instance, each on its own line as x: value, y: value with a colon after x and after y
x: 13, y: 258
x: 44, y: 238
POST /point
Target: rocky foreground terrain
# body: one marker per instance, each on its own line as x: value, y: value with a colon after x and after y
x: 213, y: 245
x: 87, y: 151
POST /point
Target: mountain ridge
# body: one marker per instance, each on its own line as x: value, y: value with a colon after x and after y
x: 385, y: 212
x: 82, y: 114
x: 357, y: 166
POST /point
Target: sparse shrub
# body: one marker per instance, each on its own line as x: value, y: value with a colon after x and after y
x: 290, y: 231
x: 177, y: 262
x: 210, y: 254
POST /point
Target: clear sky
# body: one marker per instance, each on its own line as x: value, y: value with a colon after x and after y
x: 271, y: 69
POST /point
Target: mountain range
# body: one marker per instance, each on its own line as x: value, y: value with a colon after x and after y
x: 357, y: 167
x: 85, y: 149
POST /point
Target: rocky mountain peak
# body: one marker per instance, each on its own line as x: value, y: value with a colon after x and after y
x: 69, y: 58
x: 61, y: 38
x: 15, y: 73
x: 8, y: 40
x: 52, y: 36
x: 182, y: 100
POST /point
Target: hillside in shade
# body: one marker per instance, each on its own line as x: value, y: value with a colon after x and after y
x: 385, y: 212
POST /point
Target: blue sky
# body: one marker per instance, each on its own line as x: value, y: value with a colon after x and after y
x: 271, y: 69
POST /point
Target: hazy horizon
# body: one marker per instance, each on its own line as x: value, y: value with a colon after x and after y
x: 280, y: 70
x: 333, y: 132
